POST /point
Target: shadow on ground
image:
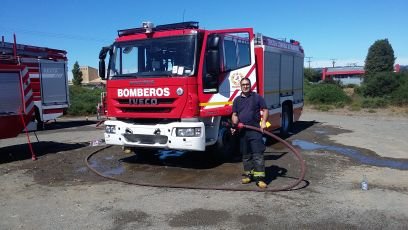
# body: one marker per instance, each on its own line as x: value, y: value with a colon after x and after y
x: 67, y: 124
x: 22, y: 151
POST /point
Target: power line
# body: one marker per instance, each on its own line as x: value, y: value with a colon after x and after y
x: 333, y: 61
x: 184, y: 12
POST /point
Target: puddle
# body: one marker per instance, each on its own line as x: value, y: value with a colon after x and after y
x: 108, y: 171
x: 163, y: 154
x: 114, y: 171
x: 354, y: 154
x: 320, y: 131
x: 82, y: 169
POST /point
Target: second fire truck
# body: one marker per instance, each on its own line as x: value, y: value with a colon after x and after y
x: 33, y: 86
x: 172, y: 86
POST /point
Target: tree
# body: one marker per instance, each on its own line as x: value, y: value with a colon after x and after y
x: 77, y: 74
x: 380, y: 84
x: 380, y: 58
x: 312, y: 75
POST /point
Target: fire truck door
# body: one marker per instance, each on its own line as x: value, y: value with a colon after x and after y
x: 228, y: 58
x: 53, y: 77
x: 11, y: 101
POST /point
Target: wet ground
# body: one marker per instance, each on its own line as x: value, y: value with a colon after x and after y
x: 330, y: 195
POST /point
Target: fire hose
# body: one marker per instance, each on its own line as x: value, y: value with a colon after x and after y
x: 294, y: 151
x: 240, y: 126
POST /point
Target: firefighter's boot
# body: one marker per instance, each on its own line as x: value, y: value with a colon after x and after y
x: 247, y: 178
x: 126, y: 150
x: 260, y: 182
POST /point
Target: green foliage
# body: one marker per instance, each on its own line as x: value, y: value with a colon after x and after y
x: 380, y: 58
x: 380, y: 84
x: 312, y: 75
x: 358, y: 90
x: 332, y: 81
x: 323, y: 108
x: 83, y: 100
x: 326, y: 94
x: 76, y: 74
x: 400, y: 95
x: 355, y: 106
x: 339, y: 104
x: 374, y: 102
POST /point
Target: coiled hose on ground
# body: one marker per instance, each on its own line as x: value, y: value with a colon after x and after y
x: 285, y: 188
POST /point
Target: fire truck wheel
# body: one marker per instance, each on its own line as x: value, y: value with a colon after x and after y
x: 224, y: 149
x: 287, y: 120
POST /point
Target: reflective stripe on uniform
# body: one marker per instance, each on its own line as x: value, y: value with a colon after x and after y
x: 259, y: 174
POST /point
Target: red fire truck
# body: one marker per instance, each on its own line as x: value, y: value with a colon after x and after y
x: 33, y: 86
x: 172, y: 86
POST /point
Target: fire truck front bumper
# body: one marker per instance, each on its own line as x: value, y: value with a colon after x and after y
x: 174, y: 135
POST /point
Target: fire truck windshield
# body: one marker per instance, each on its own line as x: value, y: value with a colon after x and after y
x: 154, y: 57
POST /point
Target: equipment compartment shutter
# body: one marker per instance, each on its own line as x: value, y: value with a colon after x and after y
x: 298, y: 80
x: 10, y: 93
x: 286, y: 75
x: 271, y: 79
x: 53, y: 83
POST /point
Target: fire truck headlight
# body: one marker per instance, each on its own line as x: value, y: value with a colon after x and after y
x: 110, y: 129
x: 188, y: 132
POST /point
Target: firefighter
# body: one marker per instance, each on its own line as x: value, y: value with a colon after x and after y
x: 247, y: 109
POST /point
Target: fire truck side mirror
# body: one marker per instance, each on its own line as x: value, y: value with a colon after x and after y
x: 213, y: 42
x: 213, y: 55
x: 102, y: 69
x: 213, y: 64
x: 102, y: 55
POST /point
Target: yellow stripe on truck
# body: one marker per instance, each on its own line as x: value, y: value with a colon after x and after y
x: 216, y: 103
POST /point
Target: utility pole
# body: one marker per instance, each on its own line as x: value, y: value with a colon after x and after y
x: 309, y: 60
x: 184, y: 11
x: 333, y: 61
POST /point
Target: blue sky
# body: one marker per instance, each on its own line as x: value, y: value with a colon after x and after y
x: 340, y: 30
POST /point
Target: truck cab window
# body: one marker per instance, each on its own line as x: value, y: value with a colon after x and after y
x: 236, y: 49
x: 158, y: 57
x: 231, y: 51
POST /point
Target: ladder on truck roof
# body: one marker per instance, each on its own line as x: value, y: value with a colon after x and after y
x: 9, y: 50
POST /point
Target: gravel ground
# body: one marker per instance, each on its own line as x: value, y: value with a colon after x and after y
x: 59, y: 191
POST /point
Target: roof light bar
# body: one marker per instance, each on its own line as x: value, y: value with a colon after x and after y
x: 148, y: 27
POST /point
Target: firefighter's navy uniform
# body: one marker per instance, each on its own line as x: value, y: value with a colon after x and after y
x: 251, y: 143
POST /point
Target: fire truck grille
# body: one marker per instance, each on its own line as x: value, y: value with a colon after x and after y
x: 159, y: 101
x: 145, y: 139
x: 146, y: 110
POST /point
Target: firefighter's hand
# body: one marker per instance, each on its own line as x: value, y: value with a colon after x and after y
x: 263, y: 126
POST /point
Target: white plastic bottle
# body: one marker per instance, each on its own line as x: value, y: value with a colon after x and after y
x: 364, y: 183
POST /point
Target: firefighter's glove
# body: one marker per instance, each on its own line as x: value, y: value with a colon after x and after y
x: 240, y: 126
x: 236, y: 127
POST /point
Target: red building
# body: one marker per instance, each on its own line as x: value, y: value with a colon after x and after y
x: 346, y: 75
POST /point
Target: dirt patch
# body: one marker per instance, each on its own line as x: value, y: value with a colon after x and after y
x: 63, y: 168
x: 392, y: 111
x: 199, y: 217
x: 59, y: 190
x: 134, y: 219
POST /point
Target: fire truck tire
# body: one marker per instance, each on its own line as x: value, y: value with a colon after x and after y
x: 287, y: 120
x: 223, y: 150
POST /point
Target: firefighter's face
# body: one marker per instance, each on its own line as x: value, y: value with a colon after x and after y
x: 245, y: 86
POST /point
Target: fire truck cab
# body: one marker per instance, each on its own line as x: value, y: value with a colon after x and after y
x: 172, y: 86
